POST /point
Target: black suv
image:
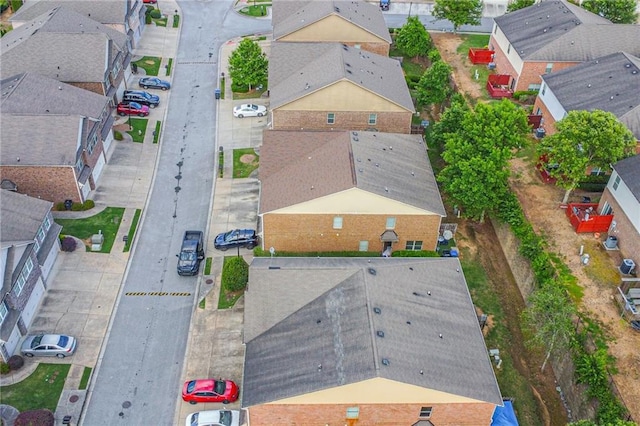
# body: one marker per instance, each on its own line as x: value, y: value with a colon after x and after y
x: 141, y: 97
x: 236, y: 238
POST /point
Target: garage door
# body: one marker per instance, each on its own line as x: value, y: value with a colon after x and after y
x: 29, y: 310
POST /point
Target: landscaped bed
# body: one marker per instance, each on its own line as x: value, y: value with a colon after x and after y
x: 107, y: 221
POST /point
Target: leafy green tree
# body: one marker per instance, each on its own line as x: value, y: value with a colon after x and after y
x: 519, y: 4
x: 458, y: 12
x: 592, y: 423
x: 248, y: 65
x: 413, y: 39
x: 549, y: 317
x: 585, y: 138
x: 434, y: 85
x: 450, y: 120
x: 617, y: 11
x: 477, y: 156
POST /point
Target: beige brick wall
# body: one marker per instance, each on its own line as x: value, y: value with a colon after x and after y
x: 54, y: 184
x: 628, y: 237
x: 308, y: 232
x: 451, y: 414
x: 390, y: 122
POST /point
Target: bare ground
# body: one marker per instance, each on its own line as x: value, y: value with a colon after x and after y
x: 541, y: 204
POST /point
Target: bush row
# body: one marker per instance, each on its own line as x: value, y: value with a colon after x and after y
x: 76, y: 207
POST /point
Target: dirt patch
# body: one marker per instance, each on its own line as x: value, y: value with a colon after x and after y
x: 247, y: 158
x: 447, y: 45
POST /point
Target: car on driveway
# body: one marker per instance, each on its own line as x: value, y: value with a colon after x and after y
x: 236, y: 238
x: 154, y: 83
x: 132, y: 108
x: 59, y: 345
x: 210, y: 390
x: 214, y: 418
x: 249, y: 110
x: 141, y: 97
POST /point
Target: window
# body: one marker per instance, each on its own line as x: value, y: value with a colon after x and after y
x: 46, y: 224
x: 533, y: 87
x: 28, y: 267
x: 363, y: 246
x: 79, y: 165
x: 596, y: 171
x: 616, y: 182
x: 337, y: 222
x: 543, y: 89
x: 373, y: 118
x: 353, y: 412
x: 509, y: 49
x: 425, y: 412
x: 331, y: 118
x: 606, y: 209
x: 539, y: 112
x: 548, y: 69
x: 3, y: 312
x: 413, y: 245
x: 21, y: 281
x: 91, y: 143
x: 391, y: 223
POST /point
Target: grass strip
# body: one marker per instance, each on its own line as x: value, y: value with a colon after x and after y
x: 84, y: 381
x: 132, y: 230
x: 156, y: 132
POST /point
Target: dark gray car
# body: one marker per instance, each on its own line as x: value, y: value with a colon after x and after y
x: 237, y: 238
x: 141, y: 97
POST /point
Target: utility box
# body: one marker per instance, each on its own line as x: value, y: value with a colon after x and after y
x: 96, y: 242
x: 218, y: 93
x: 627, y: 266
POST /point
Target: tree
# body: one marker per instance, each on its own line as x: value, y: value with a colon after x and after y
x: 477, y: 156
x: 413, y: 39
x: 519, y: 4
x: 248, y: 65
x: 549, y: 317
x: 450, y: 120
x: 434, y: 85
x: 585, y: 138
x: 617, y: 11
x: 458, y: 12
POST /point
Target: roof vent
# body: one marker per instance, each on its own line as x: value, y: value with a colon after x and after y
x: 411, y: 268
x: 627, y: 65
x: 349, y: 72
x: 386, y: 189
x: 318, y: 321
x: 355, y: 138
x: 377, y: 310
x: 306, y: 86
x: 589, y: 85
x: 440, y: 335
x: 372, y: 271
x: 634, y: 72
x: 337, y: 9
x: 409, y: 322
x: 361, y: 170
x: 385, y: 361
x: 380, y: 333
x: 347, y: 64
x: 354, y: 133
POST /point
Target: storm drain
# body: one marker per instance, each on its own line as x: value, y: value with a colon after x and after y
x: 157, y: 293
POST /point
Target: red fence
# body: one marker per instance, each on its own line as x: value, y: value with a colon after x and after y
x: 481, y: 56
x: 585, y: 218
x: 498, y: 86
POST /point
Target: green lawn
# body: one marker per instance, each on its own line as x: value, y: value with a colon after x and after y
x: 138, y: 129
x: 243, y: 169
x: 41, y: 389
x: 150, y: 64
x: 107, y: 221
x: 257, y: 10
x: 472, y: 40
x: 156, y: 134
x: 251, y: 94
x: 132, y: 230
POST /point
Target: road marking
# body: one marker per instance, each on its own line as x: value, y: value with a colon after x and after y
x: 158, y: 293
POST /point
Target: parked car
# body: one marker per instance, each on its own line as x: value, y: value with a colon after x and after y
x: 132, y: 108
x: 249, y: 110
x: 150, y: 1
x: 210, y: 390
x: 154, y: 83
x: 191, y: 253
x: 214, y: 418
x: 236, y: 238
x: 59, y: 345
x: 141, y: 97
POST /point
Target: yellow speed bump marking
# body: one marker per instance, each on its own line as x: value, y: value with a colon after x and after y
x: 157, y: 293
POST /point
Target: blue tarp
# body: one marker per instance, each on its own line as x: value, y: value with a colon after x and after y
x: 504, y: 416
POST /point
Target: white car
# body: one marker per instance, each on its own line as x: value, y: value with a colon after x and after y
x: 214, y: 418
x: 59, y: 345
x: 249, y: 110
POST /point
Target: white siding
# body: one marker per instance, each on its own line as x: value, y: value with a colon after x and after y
x: 31, y: 307
x: 626, y: 200
x: 512, y: 55
x: 551, y: 102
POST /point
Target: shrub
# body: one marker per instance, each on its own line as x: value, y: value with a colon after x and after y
x: 42, y: 417
x: 4, y: 368
x: 414, y: 253
x: 78, y: 207
x: 69, y: 244
x: 240, y: 88
x: 15, y: 362
x: 117, y: 135
x: 235, y: 273
x: 434, y: 55
x: 155, y: 14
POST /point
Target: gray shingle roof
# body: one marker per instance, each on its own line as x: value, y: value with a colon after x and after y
x: 555, y: 30
x: 53, y: 139
x: 105, y: 12
x: 61, y: 44
x: 21, y: 216
x: 610, y: 83
x: 298, y: 69
x: 300, y: 166
x: 629, y: 171
x: 34, y: 94
x: 292, y: 15
x: 312, y: 312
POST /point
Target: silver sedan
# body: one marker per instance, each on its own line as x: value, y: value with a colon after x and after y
x: 58, y: 345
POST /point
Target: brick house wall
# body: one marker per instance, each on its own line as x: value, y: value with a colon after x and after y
x: 95, y: 87
x: 315, y: 232
x: 443, y: 414
x: 628, y: 237
x: 548, y: 122
x: 531, y: 72
x: 381, y: 48
x: 390, y: 122
x: 52, y: 183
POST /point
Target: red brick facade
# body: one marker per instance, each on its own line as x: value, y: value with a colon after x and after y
x: 548, y: 122
x: 315, y: 232
x: 448, y: 414
x: 51, y: 183
x: 390, y: 122
x: 94, y: 87
x: 628, y: 237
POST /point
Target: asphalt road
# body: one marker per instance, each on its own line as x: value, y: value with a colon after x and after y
x: 137, y: 379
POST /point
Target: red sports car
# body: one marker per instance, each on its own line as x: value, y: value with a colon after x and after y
x: 210, y: 390
x: 133, y: 108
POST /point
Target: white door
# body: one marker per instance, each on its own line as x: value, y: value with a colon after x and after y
x: 97, y: 169
x: 50, y: 260
x: 12, y: 344
x: 29, y: 310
